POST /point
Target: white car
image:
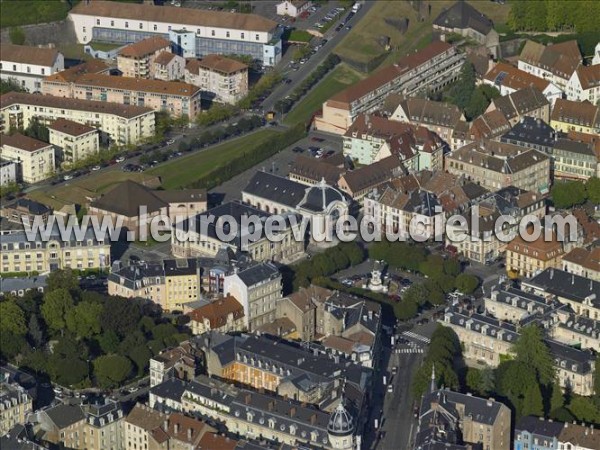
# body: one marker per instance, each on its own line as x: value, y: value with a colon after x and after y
x: 120, y: 159
x: 170, y: 141
x: 68, y: 177
x: 96, y: 168
x: 390, y: 388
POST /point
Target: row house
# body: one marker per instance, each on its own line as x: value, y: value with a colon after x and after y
x: 555, y: 62
x: 546, y: 434
x: 528, y: 101
x: 568, y: 116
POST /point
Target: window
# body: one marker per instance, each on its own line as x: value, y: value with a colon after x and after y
x: 212, y: 33
x: 112, y: 23
x: 84, y: 29
x: 257, y: 37
x: 141, y: 25
x: 126, y: 24
x: 227, y: 34
x: 43, y: 71
x: 243, y: 35
x: 97, y: 21
x: 155, y: 27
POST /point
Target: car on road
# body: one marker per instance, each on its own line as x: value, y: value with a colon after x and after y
x: 68, y: 177
x: 339, y: 27
x: 120, y: 159
x: 96, y: 168
x: 317, y: 139
x: 298, y: 150
x: 390, y: 388
x: 348, y: 27
x: 170, y: 141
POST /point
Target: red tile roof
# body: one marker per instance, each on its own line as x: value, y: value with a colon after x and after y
x: 70, y: 127
x: 23, y: 142
x: 216, y: 312
x: 145, y: 47
x: 41, y: 56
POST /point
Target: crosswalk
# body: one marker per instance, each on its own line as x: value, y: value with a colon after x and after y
x: 409, y: 350
x: 418, y: 337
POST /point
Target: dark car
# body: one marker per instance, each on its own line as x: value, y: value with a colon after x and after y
x: 298, y: 150
x: 317, y: 139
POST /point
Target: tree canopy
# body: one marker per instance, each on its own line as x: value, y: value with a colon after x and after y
x: 111, y: 370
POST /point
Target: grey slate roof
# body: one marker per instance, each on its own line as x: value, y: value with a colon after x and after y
x: 275, y: 188
x: 171, y: 389
x: 538, y: 427
x: 8, y: 285
x: 258, y: 273
x: 564, y: 284
x: 463, y: 16
x: 530, y: 132
x: 64, y: 415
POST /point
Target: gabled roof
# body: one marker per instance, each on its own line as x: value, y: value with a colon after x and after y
x: 489, y: 125
x: 216, y: 63
x: 72, y: 74
x: 372, y: 175
x: 138, y: 84
x: 520, y: 102
x: 316, y: 170
x: 23, y: 142
x: 532, y: 131
x: 217, y: 312
x: 71, y: 128
x: 432, y: 113
x: 560, y: 59
x: 164, y: 58
x: 589, y: 76
x: 463, y: 16
x: 145, y: 47
x: 145, y: 417
x: 576, y: 113
x: 25, y: 54
x: 64, y: 415
x: 258, y: 273
x: 174, y: 15
x: 503, y: 74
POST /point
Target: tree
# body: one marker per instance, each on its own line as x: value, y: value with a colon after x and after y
x: 592, y: 187
x: 460, y: 93
x: 109, y: 341
x: 55, y: 307
x: 417, y: 294
x: 11, y: 344
x: 406, y: 309
x: 513, y: 381
x: 140, y: 356
x: 84, y: 319
x: 531, y: 350
x: 567, y: 194
x: 120, y: 315
x: 37, y: 130
x: 10, y: 85
x: 36, y: 332
x: 584, y: 409
x: 557, y: 401
x: 163, y: 331
x: 353, y: 251
x: 62, y: 279
x: 452, y: 267
x: 111, y: 370
x: 67, y: 371
x: 473, y: 379
x: 12, y: 318
x: 533, y: 404
x: 466, y: 283
x: 17, y: 36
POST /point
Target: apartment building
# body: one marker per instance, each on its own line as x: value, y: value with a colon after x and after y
x: 537, y: 433
x: 137, y: 60
x: 35, y: 159
x: 580, y: 293
x: 18, y: 287
x: 576, y: 160
x: 8, y: 172
x: 496, y: 165
x: 583, y: 262
x: 489, y: 125
x: 25, y: 210
x: 508, y: 304
x: 584, y: 84
x: 221, y: 79
x: 568, y: 116
x: 359, y: 182
x: 440, y: 118
x: 175, y: 98
x: 62, y: 424
x: 198, y: 235
x: 528, y: 101
x: 555, y: 62
x: 15, y: 406
x: 103, y: 427
x: 139, y: 425
x: 431, y: 68
x: 463, y: 19
x: 169, y: 67
x: 576, y: 331
x: 310, y: 171
x: 524, y: 259
x: 118, y: 124
x: 449, y: 419
x: 75, y: 141
x: 175, y: 363
x: 509, y: 79
x: 27, y: 65
x: 372, y: 138
x: 192, y: 32
x: 258, y: 289
x: 19, y: 254
x: 170, y: 284
x: 407, y: 215
x: 224, y: 314
x: 532, y: 133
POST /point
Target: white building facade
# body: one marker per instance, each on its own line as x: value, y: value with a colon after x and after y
x: 27, y: 66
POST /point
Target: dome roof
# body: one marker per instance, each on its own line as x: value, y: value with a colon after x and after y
x: 340, y: 422
x: 317, y: 198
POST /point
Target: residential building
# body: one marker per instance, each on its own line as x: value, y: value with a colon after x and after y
x: 20, y: 437
x: 580, y: 293
x: 174, y: 363
x: 139, y: 425
x: 449, y: 419
x: 596, y: 58
x: 192, y: 32
x: 431, y: 69
x: 169, y: 67
x: 60, y: 83
x: 584, y: 84
x: 531, y: 133
x: 171, y: 284
x: 300, y: 308
x: 137, y: 60
x: 555, y: 62
x: 509, y: 79
x: 524, y: 258
x: 24, y: 210
x: 8, y: 172
x: 257, y: 288
x: 508, y: 304
x: 399, y: 214
x: 27, y: 65
x: 537, y: 433
x: 282, y: 420
x: 579, y: 332
x: 578, y: 437
x: 462, y: 18
x: 20, y: 254
x: 322, y: 205
x: 36, y: 159
x: 62, y: 424
x: 489, y: 125
x: 224, y: 314
x: 292, y: 8
x: 18, y: 287
x: 103, y: 426
x: 440, y: 118
x: 310, y: 171
x: 575, y: 160
x: 359, y: 182
x: 309, y: 375
x: 132, y: 207
x: 528, y: 101
x: 583, y: 262
x: 570, y: 116
x: 198, y: 236
x: 372, y: 138
x: 176, y: 98
x: 495, y: 165
x: 486, y: 341
x: 221, y: 79
x: 15, y: 406
x: 118, y: 124
x: 75, y: 141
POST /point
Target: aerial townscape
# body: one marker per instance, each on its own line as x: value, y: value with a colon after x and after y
x: 300, y: 224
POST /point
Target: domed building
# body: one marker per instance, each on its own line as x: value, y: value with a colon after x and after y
x: 341, y: 429
x: 322, y: 204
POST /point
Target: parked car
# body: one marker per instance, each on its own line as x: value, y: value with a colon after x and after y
x: 170, y: 141
x: 96, y: 168
x: 68, y: 177
x: 317, y: 139
x: 120, y: 159
x: 298, y: 150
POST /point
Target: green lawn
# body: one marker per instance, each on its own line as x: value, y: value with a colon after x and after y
x: 300, y: 36
x: 338, y: 79
x: 25, y: 12
x: 183, y: 171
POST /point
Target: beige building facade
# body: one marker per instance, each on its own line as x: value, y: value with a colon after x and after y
x: 36, y: 159
x: 74, y: 140
x: 221, y: 79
